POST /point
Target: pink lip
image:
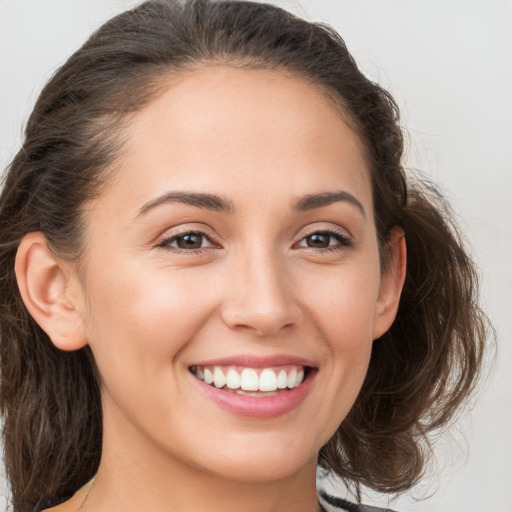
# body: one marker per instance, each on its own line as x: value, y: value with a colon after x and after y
x: 255, y: 406
x: 250, y: 361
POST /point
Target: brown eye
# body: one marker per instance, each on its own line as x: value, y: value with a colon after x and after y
x: 318, y: 240
x: 325, y: 241
x: 191, y: 241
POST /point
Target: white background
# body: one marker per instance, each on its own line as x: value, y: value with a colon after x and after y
x: 448, y: 63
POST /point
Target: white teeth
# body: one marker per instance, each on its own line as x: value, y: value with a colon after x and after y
x: 233, y: 379
x: 208, y: 376
x: 218, y: 378
x: 282, y: 380
x: 254, y: 393
x: 292, y: 379
x: 249, y: 380
x: 268, y: 380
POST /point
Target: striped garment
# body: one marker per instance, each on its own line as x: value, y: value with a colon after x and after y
x: 332, y: 504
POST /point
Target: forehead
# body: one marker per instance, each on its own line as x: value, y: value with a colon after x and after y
x: 241, y: 131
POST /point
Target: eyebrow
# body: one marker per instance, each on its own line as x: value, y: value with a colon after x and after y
x: 312, y: 201
x: 217, y: 203
x: 199, y: 200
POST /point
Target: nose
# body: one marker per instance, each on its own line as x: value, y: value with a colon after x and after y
x: 260, y: 296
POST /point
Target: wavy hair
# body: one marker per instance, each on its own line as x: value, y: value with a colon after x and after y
x: 421, y: 370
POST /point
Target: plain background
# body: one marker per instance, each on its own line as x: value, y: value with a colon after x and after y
x: 448, y: 64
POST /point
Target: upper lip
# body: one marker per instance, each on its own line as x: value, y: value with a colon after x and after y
x: 252, y: 361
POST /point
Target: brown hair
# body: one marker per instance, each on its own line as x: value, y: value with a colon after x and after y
x: 420, y: 371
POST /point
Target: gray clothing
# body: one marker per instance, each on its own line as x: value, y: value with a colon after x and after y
x: 332, y: 504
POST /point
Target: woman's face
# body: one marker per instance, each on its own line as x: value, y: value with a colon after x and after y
x: 236, y: 242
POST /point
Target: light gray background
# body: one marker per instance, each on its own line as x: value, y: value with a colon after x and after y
x: 448, y: 63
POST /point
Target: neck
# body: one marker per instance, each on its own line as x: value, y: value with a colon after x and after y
x: 205, y: 494
x: 135, y: 475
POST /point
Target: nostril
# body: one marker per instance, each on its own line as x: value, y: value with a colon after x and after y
x: 263, y: 321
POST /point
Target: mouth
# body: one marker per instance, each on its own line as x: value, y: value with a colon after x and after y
x: 255, y: 387
x: 254, y: 382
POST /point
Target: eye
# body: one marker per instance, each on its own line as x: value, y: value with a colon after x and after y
x: 191, y: 241
x: 325, y: 240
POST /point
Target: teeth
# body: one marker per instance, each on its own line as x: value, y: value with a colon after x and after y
x: 254, y: 393
x: 292, y: 379
x: 218, y: 378
x: 282, y: 380
x: 233, y: 379
x: 208, y: 376
x: 248, y: 382
x: 268, y: 380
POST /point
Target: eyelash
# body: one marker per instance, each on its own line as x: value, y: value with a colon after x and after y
x: 343, y: 240
x: 166, y: 243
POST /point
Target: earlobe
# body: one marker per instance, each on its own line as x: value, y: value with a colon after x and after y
x: 392, y: 281
x: 45, y: 288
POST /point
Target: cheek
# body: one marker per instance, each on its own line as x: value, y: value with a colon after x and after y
x: 342, y: 303
x: 342, y: 312
x: 140, y: 320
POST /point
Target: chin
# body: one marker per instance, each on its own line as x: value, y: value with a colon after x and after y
x: 262, y: 471
x: 261, y: 461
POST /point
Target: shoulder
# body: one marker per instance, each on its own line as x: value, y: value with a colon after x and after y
x: 333, y: 504
x: 51, y: 505
x: 62, y: 504
x: 68, y: 503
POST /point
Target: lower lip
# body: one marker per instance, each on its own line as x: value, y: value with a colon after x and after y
x: 255, y: 406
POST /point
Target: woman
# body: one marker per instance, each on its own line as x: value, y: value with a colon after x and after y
x: 206, y: 294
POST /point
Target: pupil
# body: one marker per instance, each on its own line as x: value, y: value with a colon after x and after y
x: 190, y: 241
x: 318, y: 240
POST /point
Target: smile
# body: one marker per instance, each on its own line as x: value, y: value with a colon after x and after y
x: 258, y: 388
x: 251, y: 381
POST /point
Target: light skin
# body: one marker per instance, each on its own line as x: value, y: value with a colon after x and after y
x: 285, y: 261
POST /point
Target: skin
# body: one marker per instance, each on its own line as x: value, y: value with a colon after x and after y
x: 148, y: 310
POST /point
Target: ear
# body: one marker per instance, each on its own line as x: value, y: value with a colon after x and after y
x: 392, y: 282
x: 51, y: 292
